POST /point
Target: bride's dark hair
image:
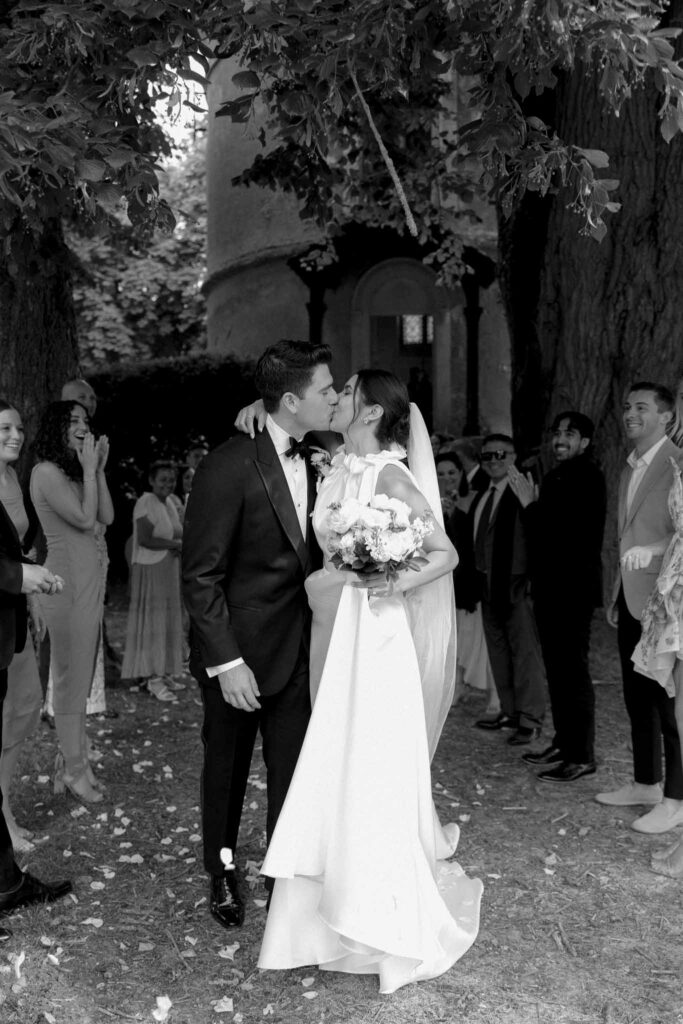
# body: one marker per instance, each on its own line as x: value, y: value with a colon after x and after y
x: 379, y: 387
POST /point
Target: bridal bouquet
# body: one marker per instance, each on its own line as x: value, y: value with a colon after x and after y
x: 375, y: 537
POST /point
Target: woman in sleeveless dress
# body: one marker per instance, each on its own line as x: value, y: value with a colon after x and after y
x: 21, y: 707
x: 70, y: 494
x: 355, y: 854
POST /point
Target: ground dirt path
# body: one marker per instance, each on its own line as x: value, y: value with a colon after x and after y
x: 575, y: 929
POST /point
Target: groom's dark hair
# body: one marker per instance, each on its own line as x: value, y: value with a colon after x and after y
x: 288, y: 366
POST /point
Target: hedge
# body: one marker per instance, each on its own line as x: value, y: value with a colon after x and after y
x: 157, y: 410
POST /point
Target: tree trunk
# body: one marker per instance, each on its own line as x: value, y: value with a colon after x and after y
x: 599, y: 316
x: 38, y: 342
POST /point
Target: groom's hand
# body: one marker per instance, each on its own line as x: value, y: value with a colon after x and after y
x: 239, y: 688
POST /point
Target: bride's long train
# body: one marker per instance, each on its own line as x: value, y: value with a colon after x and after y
x: 363, y: 885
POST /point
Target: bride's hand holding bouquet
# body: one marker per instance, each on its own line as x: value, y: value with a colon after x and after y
x: 376, y: 541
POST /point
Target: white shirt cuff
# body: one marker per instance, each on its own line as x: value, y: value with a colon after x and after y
x: 211, y: 672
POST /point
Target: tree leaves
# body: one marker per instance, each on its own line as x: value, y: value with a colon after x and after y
x: 399, y: 53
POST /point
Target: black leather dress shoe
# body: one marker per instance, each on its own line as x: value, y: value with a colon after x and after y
x: 523, y: 736
x: 226, y: 904
x: 32, y: 890
x: 567, y: 772
x: 5, y: 934
x: 501, y: 721
x: 551, y: 755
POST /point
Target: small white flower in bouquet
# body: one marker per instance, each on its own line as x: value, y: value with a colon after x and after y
x: 378, y: 536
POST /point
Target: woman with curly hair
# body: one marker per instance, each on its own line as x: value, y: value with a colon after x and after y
x: 70, y: 494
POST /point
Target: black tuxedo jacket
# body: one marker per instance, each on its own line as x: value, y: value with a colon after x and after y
x: 565, y: 528
x: 245, y: 562
x: 12, y: 601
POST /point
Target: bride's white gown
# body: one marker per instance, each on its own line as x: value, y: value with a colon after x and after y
x: 358, y: 853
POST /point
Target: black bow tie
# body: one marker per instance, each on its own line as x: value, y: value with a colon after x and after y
x: 298, y: 448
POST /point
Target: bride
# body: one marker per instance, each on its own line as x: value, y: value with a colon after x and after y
x: 358, y: 855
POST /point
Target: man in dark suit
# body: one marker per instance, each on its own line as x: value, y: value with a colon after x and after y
x: 248, y: 546
x: 18, y: 577
x: 473, y: 478
x: 501, y: 560
x: 565, y: 524
x: 644, y: 521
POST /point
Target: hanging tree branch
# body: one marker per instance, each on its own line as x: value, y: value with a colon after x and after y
x: 400, y: 191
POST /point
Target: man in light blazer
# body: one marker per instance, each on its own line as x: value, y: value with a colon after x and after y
x: 644, y: 520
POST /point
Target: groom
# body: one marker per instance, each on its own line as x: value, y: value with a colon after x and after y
x: 248, y: 546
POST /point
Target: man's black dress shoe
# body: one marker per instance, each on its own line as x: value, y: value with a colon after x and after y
x: 32, y: 890
x: 226, y: 904
x: 551, y: 755
x: 5, y: 934
x: 501, y: 721
x: 567, y: 772
x: 523, y: 736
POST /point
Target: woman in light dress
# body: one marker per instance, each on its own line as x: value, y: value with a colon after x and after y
x: 154, y: 637
x: 362, y: 883
x: 70, y: 494
x: 21, y: 708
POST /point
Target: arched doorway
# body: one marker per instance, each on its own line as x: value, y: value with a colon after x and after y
x: 401, y: 320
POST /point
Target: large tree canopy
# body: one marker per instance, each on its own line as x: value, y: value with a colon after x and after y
x: 339, y: 79
x: 336, y: 78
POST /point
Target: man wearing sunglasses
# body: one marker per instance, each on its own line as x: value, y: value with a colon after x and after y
x: 503, y: 573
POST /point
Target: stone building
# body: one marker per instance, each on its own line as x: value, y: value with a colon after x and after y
x: 378, y: 304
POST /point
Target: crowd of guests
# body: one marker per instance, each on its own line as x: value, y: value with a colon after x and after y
x: 530, y: 578
x: 527, y: 585
x: 61, y: 521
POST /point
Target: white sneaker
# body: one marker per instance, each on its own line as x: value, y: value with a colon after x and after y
x: 661, y: 818
x: 631, y: 794
x: 158, y: 688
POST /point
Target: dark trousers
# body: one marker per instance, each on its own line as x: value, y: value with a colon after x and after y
x: 10, y: 874
x: 515, y: 655
x: 229, y: 735
x: 651, y: 711
x: 564, y: 629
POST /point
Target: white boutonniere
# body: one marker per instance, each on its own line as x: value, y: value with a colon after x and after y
x: 320, y: 461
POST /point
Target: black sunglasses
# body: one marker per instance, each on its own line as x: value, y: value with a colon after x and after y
x: 498, y: 456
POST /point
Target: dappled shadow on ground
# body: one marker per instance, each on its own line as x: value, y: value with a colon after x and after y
x: 574, y: 926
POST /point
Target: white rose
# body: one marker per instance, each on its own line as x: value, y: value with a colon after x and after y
x: 374, y: 517
x: 346, y: 546
x: 399, y: 544
x: 399, y: 508
x: 341, y: 518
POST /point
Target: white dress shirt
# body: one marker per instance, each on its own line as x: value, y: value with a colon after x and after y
x: 639, y: 465
x: 296, y: 476
x: 497, y: 489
